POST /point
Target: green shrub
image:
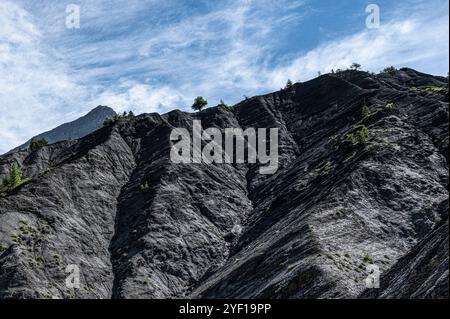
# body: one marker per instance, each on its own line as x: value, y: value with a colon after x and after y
x: 109, y: 121
x: 360, y: 135
x: 223, y: 104
x: 366, y: 111
x: 389, y: 105
x: 13, y: 179
x: 37, y: 143
x: 367, y: 259
x: 327, y: 168
x: 15, y: 176
x: 355, y: 66
x: 434, y: 89
x: 199, y: 103
x: 289, y: 84
x: 390, y: 70
x: 227, y: 107
x: 145, y: 186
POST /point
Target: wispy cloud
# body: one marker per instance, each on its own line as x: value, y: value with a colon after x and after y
x: 153, y: 56
x: 414, y: 42
x: 34, y: 90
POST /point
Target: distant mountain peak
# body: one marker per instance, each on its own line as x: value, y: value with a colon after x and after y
x: 101, y: 108
x: 76, y: 129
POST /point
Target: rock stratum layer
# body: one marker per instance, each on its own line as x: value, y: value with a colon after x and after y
x: 140, y: 226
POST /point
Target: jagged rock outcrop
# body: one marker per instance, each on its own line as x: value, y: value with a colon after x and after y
x: 75, y: 129
x: 140, y: 226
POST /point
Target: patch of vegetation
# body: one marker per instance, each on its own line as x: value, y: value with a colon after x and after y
x: 199, y: 103
x: 389, y: 105
x: 223, y: 104
x: 327, y: 168
x: 30, y: 240
x: 389, y: 70
x: 231, y: 109
x: 366, y: 112
x: 355, y: 66
x: 117, y: 117
x: 2, y: 248
x: 13, y: 180
x: 368, y: 259
x: 289, y: 84
x: 145, y: 186
x: 434, y: 89
x: 38, y: 143
x: 360, y: 135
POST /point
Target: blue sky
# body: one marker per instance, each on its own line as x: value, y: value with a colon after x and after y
x: 155, y: 56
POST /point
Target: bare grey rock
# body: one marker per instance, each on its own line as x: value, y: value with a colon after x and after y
x: 140, y: 226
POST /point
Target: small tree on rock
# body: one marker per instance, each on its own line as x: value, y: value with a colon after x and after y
x: 390, y: 70
x: 223, y: 104
x: 38, y: 143
x: 12, y: 180
x: 365, y: 111
x: 289, y: 84
x: 15, y: 177
x: 355, y: 66
x: 199, y: 103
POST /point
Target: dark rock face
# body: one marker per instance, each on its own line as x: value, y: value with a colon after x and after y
x: 76, y: 129
x: 140, y: 226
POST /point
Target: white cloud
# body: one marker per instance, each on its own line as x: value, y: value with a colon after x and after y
x: 125, y: 59
x: 32, y: 87
x: 411, y: 42
x: 141, y: 98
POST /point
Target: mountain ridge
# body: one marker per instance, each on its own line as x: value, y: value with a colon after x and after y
x: 75, y: 129
x: 140, y: 226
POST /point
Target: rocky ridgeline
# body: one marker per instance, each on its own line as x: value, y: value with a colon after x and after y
x: 351, y: 190
x: 75, y: 129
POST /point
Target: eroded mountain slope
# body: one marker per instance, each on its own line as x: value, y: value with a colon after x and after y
x: 140, y: 226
